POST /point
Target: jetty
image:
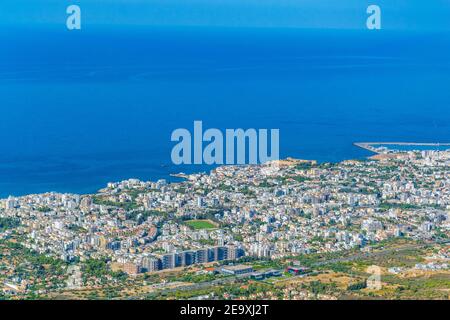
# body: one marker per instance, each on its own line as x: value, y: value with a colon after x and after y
x: 383, y: 150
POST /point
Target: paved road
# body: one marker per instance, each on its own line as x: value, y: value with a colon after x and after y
x: 231, y: 279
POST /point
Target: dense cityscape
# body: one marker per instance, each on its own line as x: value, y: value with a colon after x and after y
x: 289, y: 229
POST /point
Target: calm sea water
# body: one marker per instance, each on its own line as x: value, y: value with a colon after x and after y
x: 80, y: 109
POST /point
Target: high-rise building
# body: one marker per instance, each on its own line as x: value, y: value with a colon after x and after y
x: 234, y: 252
x: 200, y: 202
x: 168, y: 261
x: 202, y: 255
x: 151, y: 264
x: 188, y: 258
x: 10, y: 203
x: 220, y: 253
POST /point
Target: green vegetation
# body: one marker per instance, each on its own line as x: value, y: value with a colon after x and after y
x: 41, y: 272
x: 95, y: 268
x: 8, y: 223
x: 76, y: 228
x: 266, y: 184
x: 404, y: 206
x: 196, y: 278
x: 305, y: 165
x: 301, y: 179
x: 432, y: 287
x: 245, y: 190
x: 127, y: 206
x: 341, y: 267
x: 141, y: 216
x: 231, y: 290
x: 200, y: 224
x: 318, y: 287
x: 207, y: 242
x: 224, y: 187
x: 99, y: 269
x: 267, y: 264
x: 357, y: 286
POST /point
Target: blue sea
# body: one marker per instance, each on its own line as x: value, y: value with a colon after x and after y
x: 82, y: 108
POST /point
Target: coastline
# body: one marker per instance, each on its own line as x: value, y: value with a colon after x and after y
x: 174, y: 177
x: 383, y: 147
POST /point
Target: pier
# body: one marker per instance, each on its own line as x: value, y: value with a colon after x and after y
x: 383, y: 150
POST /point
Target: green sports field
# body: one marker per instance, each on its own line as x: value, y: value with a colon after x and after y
x: 200, y: 224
